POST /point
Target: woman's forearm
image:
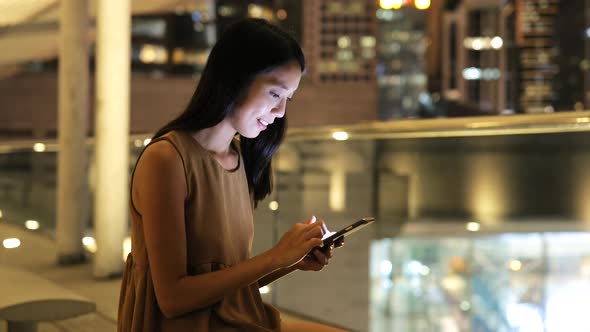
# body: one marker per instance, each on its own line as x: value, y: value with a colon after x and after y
x: 269, y: 278
x: 179, y: 297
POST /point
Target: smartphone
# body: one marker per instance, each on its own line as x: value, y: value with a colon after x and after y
x: 356, y: 226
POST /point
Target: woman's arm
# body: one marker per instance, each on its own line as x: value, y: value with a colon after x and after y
x: 311, y: 262
x: 159, y: 191
x: 269, y: 278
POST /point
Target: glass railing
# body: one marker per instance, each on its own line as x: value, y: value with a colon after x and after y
x: 481, y: 226
x: 505, y: 282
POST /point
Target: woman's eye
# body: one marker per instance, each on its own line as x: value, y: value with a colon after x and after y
x: 275, y: 95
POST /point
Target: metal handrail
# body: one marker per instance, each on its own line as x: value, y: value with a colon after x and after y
x: 559, y: 122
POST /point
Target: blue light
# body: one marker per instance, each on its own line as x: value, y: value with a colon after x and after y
x: 196, y: 16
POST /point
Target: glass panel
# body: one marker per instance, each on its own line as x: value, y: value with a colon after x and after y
x: 472, y: 234
x: 508, y: 282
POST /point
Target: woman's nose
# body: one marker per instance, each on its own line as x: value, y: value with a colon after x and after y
x: 279, y: 109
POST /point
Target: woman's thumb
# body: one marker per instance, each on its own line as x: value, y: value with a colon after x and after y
x: 311, y: 220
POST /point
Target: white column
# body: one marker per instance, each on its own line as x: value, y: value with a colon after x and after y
x: 113, y: 43
x: 72, y: 189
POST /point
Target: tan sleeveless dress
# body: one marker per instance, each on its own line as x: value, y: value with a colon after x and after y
x: 219, y: 233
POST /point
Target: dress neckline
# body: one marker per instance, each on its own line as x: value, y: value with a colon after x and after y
x: 211, y: 154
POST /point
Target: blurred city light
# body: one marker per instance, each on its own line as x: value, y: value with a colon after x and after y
x: 471, y: 73
x: 368, y: 41
x: 496, y: 42
x: 424, y: 270
x: 385, y: 267
x: 282, y: 14
x: 472, y: 226
x: 465, y: 305
x: 39, y: 147
x: 515, y: 265
x: 483, y: 43
x: 255, y: 10
x: 153, y: 54
x: 344, y: 42
x: 89, y: 243
x: 415, y: 267
x: 32, y: 224
x: 273, y: 205
x: 340, y: 135
x: 264, y: 290
x: 391, y: 4
x: 196, y: 16
x: 477, y: 44
x: 11, y: 243
x: 422, y: 4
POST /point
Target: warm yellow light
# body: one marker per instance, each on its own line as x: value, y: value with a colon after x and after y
x: 391, y: 4
x: 146, y: 141
x: 515, y: 265
x: 147, y: 54
x: 1, y: 215
x: 472, y: 226
x: 39, y: 147
x: 344, y: 42
x: 178, y: 55
x: 90, y: 243
x: 477, y: 44
x: 255, y: 10
x: 11, y: 243
x: 32, y: 224
x: 340, y: 135
x: 422, y: 4
x: 368, y: 41
x: 153, y: 54
x: 337, y: 196
x: 274, y: 205
x: 126, y: 248
x: 264, y: 290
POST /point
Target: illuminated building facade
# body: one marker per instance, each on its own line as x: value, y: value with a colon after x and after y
x: 339, y: 40
x: 471, y: 56
x: 402, y: 43
x: 517, y: 56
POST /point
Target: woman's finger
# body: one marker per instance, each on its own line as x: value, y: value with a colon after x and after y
x: 328, y: 252
x: 313, y: 242
x: 320, y: 257
x: 314, y: 230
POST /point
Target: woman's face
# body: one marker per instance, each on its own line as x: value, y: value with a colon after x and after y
x: 266, y: 100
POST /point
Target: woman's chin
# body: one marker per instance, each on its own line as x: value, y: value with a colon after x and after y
x: 251, y: 134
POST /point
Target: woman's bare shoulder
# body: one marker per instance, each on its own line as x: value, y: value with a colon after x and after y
x: 160, y: 169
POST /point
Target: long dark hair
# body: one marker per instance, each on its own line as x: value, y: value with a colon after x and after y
x: 246, y: 49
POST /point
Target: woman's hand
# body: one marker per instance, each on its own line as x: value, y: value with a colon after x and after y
x: 316, y: 259
x: 298, y: 242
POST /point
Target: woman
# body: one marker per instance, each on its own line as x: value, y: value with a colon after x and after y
x: 194, y: 188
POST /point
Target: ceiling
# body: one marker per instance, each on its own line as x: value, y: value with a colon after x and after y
x: 29, y: 29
